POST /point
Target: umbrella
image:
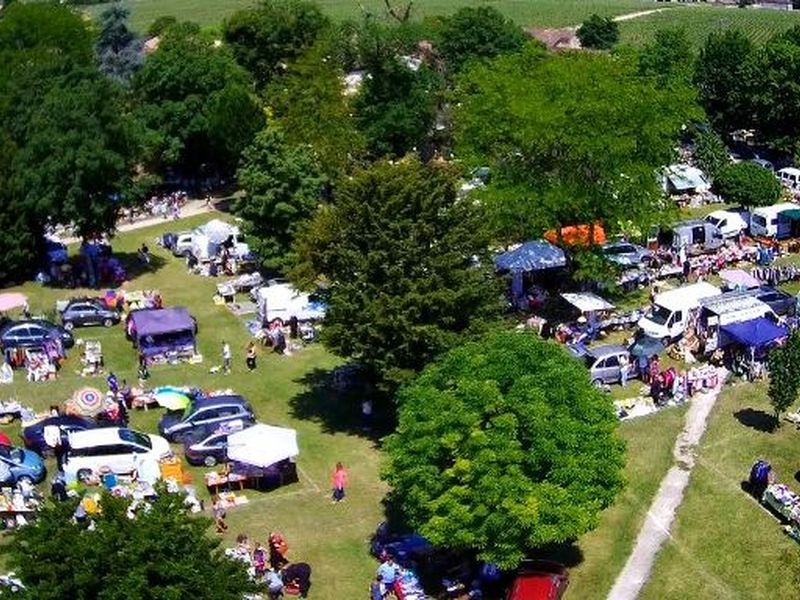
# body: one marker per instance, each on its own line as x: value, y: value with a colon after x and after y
x: 172, y: 400
x: 12, y: 300
x: 5, y: 440
x: 88, y: 401
x: 262, y: 445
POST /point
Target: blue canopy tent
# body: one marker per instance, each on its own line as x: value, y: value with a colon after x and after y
x: 755, y: 333
x: 535, y: 255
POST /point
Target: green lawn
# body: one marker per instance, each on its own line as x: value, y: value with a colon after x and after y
x: 723, y: 544
x: 331, y: 538
x: 544, y: 13
x: 605, y: 550
x: 699, y: 21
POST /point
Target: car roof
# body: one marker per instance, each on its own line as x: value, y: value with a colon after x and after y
x: 607, y: 350
x: 205, y: 401
x: 95, y: 437
x: 58, y: 419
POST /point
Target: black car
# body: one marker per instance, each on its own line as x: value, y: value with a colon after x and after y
x: 88, y: 311
x: 33, y: 435
x: 32, y: 333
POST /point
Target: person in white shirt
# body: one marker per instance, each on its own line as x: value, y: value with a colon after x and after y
x: 226, y: 357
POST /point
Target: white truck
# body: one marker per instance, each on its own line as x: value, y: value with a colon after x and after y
x: 671, y: 312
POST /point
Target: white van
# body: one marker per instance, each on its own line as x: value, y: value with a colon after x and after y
x: 730, y: 222
x: 764, y: 221
x: 669, y: 316
x: 121, y: 450
x: 789, y: 177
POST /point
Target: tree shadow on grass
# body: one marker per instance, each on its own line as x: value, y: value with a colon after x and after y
x: 338, y: 409
x: 135, y: 267
x: 756, y: 419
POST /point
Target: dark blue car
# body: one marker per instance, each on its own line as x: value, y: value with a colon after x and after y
x: 33, y: 435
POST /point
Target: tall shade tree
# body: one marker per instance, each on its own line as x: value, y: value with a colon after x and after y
x: 748, y: 185
x: 476, y: 33
x: 26, y: 26
x: 668, y: 57
x: 119, y: 51
x: 282, y: 185
x: 263, y: 38
x: 403, y: 265
x: 310, y: 105
x: 571, y: 138
x: 599, y: 33
x: 195, y: 103
x: 162, y: 553
x: 723, y: 76
x: 711, y: 153
x: 784, y: 376
x: 503, y: 446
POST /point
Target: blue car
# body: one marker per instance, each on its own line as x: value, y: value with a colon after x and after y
x: 33, y: 435
x: 23, y: 465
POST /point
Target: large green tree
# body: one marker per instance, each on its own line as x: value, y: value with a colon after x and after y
x: 195, y: 103
x: 263, y: 38
x: 748, y: 185
x: 723, y: 76
x: 503, y: 446
x: 403, y: 264
x: 282, y: 186
x: 571, y: 138
x: 119, y: 51
x: 668, y: 57
x: 27, y: 26
x: 162, y: 554
x: 711, y: 153
x: 476, y: 33
x: 784, y: 376
x: 599, y: 33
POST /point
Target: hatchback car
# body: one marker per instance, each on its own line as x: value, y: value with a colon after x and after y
x: 117, y: 448
x: 23, y: 465
x: 539, y: 580
x: 209, y: 449
x: 203, y: 414
x: 88, y: 311
x: 605, y: 364
x: 626, y: 254
x: 32, y: 333
x: 34, y: 435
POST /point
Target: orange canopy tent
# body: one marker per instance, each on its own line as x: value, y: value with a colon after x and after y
x: 577, y: 235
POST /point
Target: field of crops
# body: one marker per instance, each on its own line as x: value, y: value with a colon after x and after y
x: 544, y: 13
x: 699, y: 21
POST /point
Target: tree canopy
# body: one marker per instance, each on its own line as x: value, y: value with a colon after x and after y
x: 748, y: 184
x: 119, y: 51
x: 784, y: 376
x: 711, y: 153
x: 163, y: 553
x: 572, y: 138
x: 403, y: 267
x: 476, y: 33
x: 263, y: 38
x: 668, y: 57
x: 599, y: 33
x: 282, y: 186
x: 503, y: 445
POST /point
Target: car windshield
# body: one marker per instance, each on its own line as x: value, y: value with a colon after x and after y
x: 135, y: 437
x: 659, y: 315
x: 714, y: 220
x: 620, y: 250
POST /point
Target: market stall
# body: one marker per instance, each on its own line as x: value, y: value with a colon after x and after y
x: 532, y: 258
x: 163, y: 335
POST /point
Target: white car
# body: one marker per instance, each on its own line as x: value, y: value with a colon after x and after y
x: 121, y: 450
x: 730, y: 222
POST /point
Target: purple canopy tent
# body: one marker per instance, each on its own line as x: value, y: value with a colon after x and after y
x: 163, y: 331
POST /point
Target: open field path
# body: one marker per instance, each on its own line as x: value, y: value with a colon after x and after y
x: 636, y: 15
x: 655, y: 530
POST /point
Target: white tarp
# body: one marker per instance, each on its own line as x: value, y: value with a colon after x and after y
x: 262, y: 445
x: 587, y: 302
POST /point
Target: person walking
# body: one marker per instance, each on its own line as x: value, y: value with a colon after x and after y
x: 339, y: 482
x: 226, y: 357
x: 366, y: 414
x: 624, y: 367
x: 251, y: 356
x: 219, y: 515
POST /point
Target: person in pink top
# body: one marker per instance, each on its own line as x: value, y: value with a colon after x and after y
x: 339, y: 482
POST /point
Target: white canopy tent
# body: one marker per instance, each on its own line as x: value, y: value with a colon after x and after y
x: 587, y: 302
x: 262, y: 445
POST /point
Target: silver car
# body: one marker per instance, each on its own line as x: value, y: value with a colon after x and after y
x: 605, y: 364
x: 626, y: 254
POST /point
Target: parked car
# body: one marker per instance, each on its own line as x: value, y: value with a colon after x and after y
x: 183, y: 244
x: 24, y: 465
x: 626, y: 254
x: 121, y: 450
x: 210, y: 446
x: 730, y: 222
x: 32, y: 333
x: 781, y: 303
x: 604, y: 364
x: 82, y: 312
x: 763, y: 163
x: 539, y: 580
x: 204, y: 414
x: 34, y: 438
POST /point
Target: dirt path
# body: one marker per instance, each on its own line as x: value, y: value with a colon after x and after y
x: 641, y: 13
x: 190, y: 209
x: 661, y: 514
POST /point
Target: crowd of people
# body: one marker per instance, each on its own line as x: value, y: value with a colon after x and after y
x: 271, y: 566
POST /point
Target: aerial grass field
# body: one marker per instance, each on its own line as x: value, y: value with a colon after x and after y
x: 698, y: 21
x: 543, y: 13
x: 723, y: 544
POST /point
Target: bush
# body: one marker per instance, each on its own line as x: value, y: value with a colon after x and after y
x: 599, y: 33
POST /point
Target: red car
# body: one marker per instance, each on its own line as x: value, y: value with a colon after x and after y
x: 539, y: 580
